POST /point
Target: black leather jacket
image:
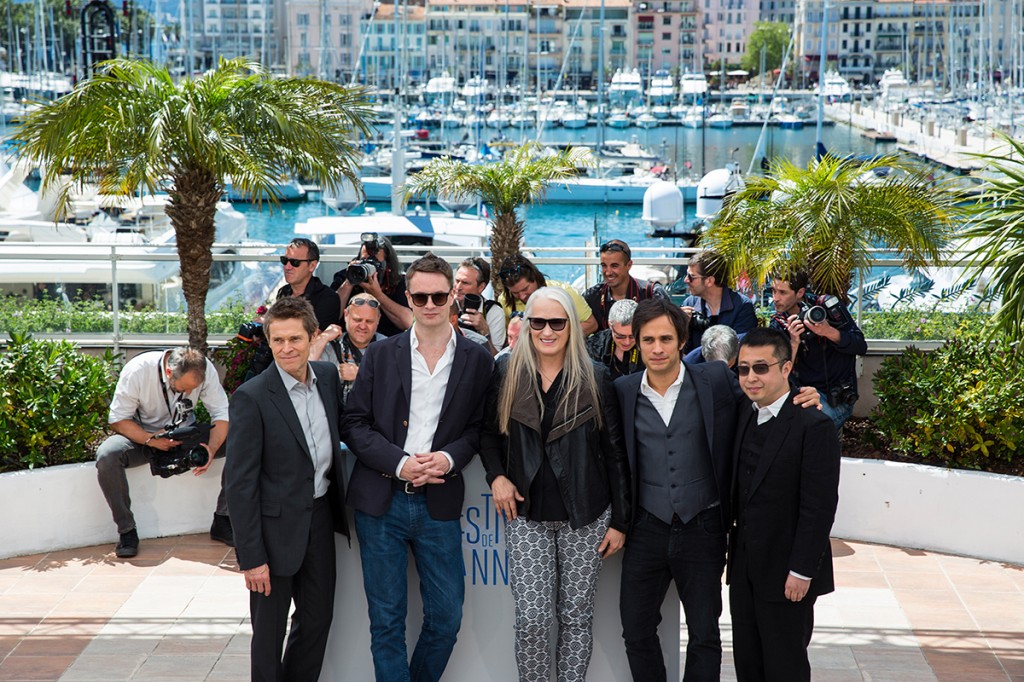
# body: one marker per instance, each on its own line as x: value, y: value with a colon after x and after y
x: 589, y: 462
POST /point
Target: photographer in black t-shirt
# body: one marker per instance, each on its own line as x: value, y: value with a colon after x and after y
x: 377, y: 272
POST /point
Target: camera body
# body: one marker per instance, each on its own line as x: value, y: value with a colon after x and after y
x: 187, y: 456
x: 251, y: 332
x: 699, y: 323
x: 844, y: 394
x: 826, y: 309
x: 361, y: 271
x: 474, y: 302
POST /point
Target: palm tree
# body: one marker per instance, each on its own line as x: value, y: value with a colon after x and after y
x: 520, y: 178
x: 828, y: 217
x: 996, y: 238
x: 131, y: 126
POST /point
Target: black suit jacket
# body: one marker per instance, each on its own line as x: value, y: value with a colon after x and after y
x: 789, y: 509
x: 376, y: 423
x: 270, y: 471
x: 718, y: 395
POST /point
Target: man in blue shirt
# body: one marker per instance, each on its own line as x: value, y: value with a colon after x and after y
x: 706, y: 275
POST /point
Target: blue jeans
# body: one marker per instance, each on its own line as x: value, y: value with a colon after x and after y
x: 693, y: 556
x: 437, y: 551
x: 839, y: 414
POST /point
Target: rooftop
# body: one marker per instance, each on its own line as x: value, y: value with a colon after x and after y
x: 179, y: 611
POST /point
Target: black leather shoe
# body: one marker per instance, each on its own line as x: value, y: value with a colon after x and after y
x: 128, y: 546
x: 221, y: 530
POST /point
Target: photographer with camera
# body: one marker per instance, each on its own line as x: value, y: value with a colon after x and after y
x: 151, y: 415
x: 615, y: 347
x: 482, y: 316
x: 377, y: 272
x: 344, y: 349
x: 618, y: 284
x: 825, y: 341
x: 711, y: 302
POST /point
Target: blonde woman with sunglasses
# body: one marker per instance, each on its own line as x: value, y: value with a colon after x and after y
x: 552, y: 447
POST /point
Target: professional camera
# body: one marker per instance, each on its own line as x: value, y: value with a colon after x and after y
x: 844, y: 394
x: 470, y: 302
x: 190, y: 454
x: 699, y: 323
x: 251, y: 332
x: 826, y: 309
x: 361, y: 271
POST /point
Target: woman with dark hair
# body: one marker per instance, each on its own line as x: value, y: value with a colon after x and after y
x: 553, y: 450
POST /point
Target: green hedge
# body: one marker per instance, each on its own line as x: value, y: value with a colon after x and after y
x: 53, y: 402
x: 48, y: 316
x: 960, y: 405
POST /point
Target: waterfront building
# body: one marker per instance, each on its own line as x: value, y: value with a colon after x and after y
x: 323, y: 37
x: 725, y: 27
x: 393, y: 48
x: 241, y: 28
x: 666, y: 35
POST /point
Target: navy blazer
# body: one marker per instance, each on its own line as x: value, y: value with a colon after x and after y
x: 791, y: 504
x: 736, y: 311
x: 376, y: 423
x: 269, y: 470
x: 718, y: 397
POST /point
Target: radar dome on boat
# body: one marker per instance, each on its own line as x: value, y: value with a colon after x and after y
x: 663, y: 204
x: 714, y: 187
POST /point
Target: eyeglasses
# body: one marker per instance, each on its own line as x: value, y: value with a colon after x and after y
x: 438, y: 298
x: 369, y: 301
x: 295, y: 262
x: 557, y: 324
x: 510, y: 272
x: 688, y: 277
x: 613, y: 246
x: 623, y: 337
x: 760, y: 368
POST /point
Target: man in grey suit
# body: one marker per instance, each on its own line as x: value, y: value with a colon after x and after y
x: 285, y: 490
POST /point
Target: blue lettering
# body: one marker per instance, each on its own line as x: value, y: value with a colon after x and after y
x: 471, y: 513
x: 489, y: 567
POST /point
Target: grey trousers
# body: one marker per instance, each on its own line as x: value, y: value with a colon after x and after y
x: 116, y: 454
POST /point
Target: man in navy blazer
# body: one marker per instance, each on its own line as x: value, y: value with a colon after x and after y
x: 707, y: 275
x: 786, y: 463
x: 286, y: 494
x: 413, y: 422
x: 678, y: 422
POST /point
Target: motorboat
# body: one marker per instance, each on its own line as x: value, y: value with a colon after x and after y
x: 837, y: 89
x: 692, y: 85
x: 739, y: 108
x: 626, y: 88
x: 789, y: 121
x: 662, y: 89
x: 893, y: 85
x: 440, y: 89
x: 719, y: 121
x: 618, y: 119
x: 647, y: 120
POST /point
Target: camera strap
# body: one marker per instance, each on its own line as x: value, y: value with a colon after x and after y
x: 163, y: 387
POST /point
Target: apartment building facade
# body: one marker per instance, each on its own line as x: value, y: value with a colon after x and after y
x: 323, y: 38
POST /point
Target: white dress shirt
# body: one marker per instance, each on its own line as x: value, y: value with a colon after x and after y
x: 428, y: 391
x: 664, y: 404
x: 309, y: 408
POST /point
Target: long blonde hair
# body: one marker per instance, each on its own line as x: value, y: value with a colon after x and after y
x: 577, y: 368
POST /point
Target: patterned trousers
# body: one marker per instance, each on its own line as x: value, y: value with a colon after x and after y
x: 553, y: 570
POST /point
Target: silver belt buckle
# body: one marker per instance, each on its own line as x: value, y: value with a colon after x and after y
x: 409, y: 488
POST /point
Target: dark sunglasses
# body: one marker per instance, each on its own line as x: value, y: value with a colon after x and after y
x: 438, y: 298
x: 513, y: 271
x: 557, y: 324
x: 759, y: 368
x: 612, y: 246
x: 295, y: 262
x: 366, y: 301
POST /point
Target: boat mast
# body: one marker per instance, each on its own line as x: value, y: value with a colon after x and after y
x: 821, y: 74
x: 600, y: 79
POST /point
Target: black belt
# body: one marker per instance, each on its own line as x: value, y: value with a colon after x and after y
x: 406, y: 487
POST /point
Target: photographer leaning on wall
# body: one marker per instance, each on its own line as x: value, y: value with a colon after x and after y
x: 825, y: 341
x: 152, y: 417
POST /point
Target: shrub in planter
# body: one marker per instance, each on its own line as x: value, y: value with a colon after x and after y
x: 961, y: 404
x: 53, y: 402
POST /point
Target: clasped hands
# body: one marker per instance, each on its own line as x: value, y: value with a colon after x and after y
x: 425, y: 467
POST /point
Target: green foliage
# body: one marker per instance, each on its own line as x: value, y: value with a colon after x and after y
x: 830, y: 216
x: 48, y: 316
x: 996, y: 233
x: 774, y: 36
x: 960, y: 405
x: 53, y: 402
x: 921, y: 325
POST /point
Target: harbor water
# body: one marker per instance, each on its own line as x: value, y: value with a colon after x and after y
x: 577, y: 224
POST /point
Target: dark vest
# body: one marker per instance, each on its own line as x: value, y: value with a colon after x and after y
x: 674, y: 462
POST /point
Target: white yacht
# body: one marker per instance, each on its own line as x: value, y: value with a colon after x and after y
x: 440, y: 88
x: 893, y: 85
x: 476, y: 89
x: 662, y: 90
x: 837, y: 89
x: 626, y: 88
x: 692, y: 85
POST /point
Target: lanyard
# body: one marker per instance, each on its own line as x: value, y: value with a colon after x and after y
x: 163, y: 387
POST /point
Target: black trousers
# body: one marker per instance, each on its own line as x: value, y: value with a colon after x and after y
x: 770, y: 638
x: 312, y: 589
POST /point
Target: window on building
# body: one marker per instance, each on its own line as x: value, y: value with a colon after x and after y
x: 666, y: 36
x: 327, y: 19
x: 867, y: 44
x: 302, y: 20
x: 666, y: 21
x: 302, y: 40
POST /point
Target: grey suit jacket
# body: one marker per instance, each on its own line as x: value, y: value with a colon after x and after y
x: 270, y: 471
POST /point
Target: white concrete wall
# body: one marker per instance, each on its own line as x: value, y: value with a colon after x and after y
x: 946, y: 510
x: 61, y: 507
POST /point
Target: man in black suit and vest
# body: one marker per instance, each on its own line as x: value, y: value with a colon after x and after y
x: 785, y: 495
x: 678, y: 422
x: 413, y: 422
x: 286, y: 495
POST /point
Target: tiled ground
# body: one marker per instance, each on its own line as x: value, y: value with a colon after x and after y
x: 177, y: 612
